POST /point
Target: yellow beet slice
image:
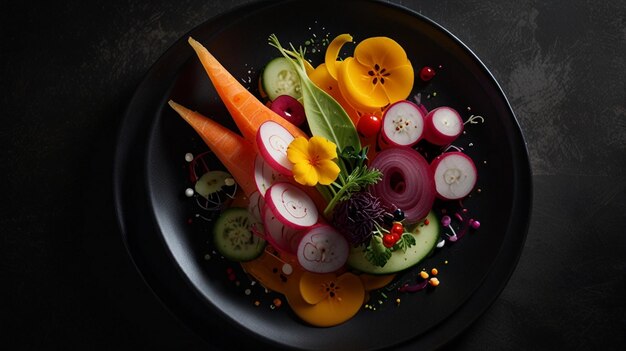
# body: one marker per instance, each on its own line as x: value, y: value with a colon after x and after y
x: 332, y: 52
x: 339, y: 303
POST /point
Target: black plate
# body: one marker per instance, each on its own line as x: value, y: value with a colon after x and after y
x: 150, y: 178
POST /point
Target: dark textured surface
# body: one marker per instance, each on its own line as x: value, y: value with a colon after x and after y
x: 68, y: 71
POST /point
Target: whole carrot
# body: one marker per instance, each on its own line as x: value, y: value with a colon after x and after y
x: 235, y: 153
x: 247, y: 111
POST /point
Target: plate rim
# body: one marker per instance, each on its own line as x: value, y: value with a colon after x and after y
x: 518, y: 148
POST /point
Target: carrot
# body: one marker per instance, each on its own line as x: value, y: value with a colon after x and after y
x: 247, y: 111
x: 235, y: 153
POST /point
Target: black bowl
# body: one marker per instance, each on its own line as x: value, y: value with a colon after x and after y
x: 150, y: 178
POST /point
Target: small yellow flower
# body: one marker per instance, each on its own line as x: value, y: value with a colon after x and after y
x: 313, y: 160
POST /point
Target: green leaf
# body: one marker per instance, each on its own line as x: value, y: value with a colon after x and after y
x: 406, y: 240
x: 326, y: 118
x: 376, y: 252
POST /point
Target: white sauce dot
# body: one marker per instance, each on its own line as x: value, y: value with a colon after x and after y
x: 287, y: 269
x: 229, y: 181
x: 189, y: 192
x: 207, y: 257
x: 247, y: 292
x: 189, y: 157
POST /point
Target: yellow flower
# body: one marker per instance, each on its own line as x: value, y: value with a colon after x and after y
x: 379, y: 74
x: 313, y: 160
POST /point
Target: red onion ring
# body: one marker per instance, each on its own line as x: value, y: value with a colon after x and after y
x: 407, y: 182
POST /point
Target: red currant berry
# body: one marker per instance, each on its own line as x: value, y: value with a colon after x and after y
x: 427, y: 73
x: 395, y: 237
x: 369, y: 125
x: 397, y: 228
x: 388, y: 240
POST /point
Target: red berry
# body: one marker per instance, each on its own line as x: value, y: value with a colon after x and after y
x: 369, y: 125
x: 427, y: 73
x: 397, y: 228
x: 388, y: 240
x: 395, y: 237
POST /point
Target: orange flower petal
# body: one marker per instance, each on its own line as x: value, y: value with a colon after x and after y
x: 399, y: 83
x: 382, y: 51
x: 347, y: 298
x: 313, y: 286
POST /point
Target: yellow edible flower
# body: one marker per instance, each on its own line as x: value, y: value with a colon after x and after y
x: 379, y: 74
x: 313, y: 160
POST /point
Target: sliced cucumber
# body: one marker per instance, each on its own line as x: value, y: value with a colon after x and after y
x: 211, y: 182
x: 280, y: 78
x: 426, y: 238
x: 233, y: 236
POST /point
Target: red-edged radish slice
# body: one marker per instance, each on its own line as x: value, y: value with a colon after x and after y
x: 278, y: 235
x: 323, y: 250
x: 273, y: 140
x: 407, y: 182
x: 403, y: 124
x: 455, y: 175
x: 442, y: 126
x: 291, y: 206
x: 264, y: 175
x: 289, y: 108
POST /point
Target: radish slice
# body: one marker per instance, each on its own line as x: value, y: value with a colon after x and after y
x: 403, y: 124
x: 289, y: 108
x: 278, y: 235
x: 407, y: 182
x: 291, y: 206
x: 323, y: 250
x: 273, y: 140
x: 264, y: 175
x: 455, y: 175
x: 442, y: 126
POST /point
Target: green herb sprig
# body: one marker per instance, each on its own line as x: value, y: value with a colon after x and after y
x: 359, y: 176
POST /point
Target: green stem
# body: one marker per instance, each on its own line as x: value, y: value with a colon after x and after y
x: 331, y: 205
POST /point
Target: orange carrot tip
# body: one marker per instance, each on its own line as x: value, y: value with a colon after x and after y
x: 235, y: 153
x: 247, y: 111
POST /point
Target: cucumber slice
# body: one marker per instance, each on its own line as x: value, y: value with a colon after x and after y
x: 211, y: 182
x: 280, y: 78
x: 426, y: 238
x: 233, y: 236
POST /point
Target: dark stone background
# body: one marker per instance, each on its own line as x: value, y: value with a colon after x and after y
x: 68, y: 69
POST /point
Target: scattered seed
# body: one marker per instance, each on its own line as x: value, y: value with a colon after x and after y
x: 277, y: 302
